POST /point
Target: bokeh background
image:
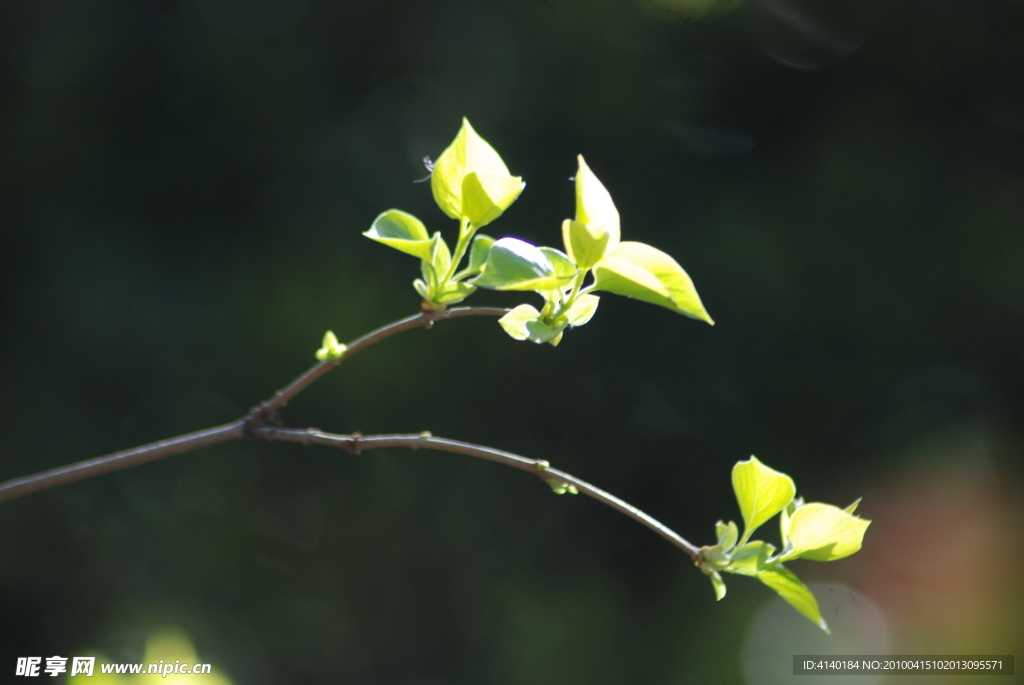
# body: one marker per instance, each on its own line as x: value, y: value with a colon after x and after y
x: 182, y: 190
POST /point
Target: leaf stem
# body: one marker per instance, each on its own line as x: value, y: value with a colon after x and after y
x: 568, y: 302
x: 466, y: 231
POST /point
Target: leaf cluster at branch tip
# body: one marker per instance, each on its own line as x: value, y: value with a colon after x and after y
x: 471, y: 184
x: 814, y: 531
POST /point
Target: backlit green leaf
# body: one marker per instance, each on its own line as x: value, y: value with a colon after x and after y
x: 762, y: 492
x: 437, y: 263
x: 712, y: 558
x: 440, y: 257
x: 595, y: 231
x: 582, y: 310
x: 478, y: 253
x: 645, y: 273
x: 594, y: 205
x: 784, y: 516
x: 564, y: 268
x: 727, y: 535
x: 749, y: 559
x: 525, y: 323
x: 401, y: 231
x: 513, y: 264
x: 485, y: 196
x: 467, y: 154
x: 822, y: 532
x: 718, y: 584
x: 791, y: 589
x: 453, y: 293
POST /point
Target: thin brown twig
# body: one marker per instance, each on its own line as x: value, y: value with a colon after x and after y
x: 356, y: 443
x: 261, y: 412
x: 231, y: 431
x: 121, y: 460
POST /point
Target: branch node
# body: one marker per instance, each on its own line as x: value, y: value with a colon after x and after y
x: 310, y: 433
x: 353, y: 446
x: 428, y: 307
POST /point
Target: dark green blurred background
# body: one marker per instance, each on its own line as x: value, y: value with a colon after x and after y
x: 182, y: 190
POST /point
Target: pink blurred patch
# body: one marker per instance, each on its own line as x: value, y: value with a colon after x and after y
x: 942, y: 560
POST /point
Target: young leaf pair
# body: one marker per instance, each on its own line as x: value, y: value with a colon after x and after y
x: 593, y: 245
x: 814, y: 531
x: 471, y: 184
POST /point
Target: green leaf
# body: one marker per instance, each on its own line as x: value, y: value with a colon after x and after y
x: 749, y: 559
x: 791, y: 589
x: 331, y: 350
x: 727, y: 535
x: 595, y: 232
x: 513, y: 264
x: 822, y: 532
x: 564, y: 267
x: 712, y: 558
x: 642, y: 272
x: 784, y: 519
x: 453, y: 292
x: 718, y: 584
x: 435, y: 266
x: 594, y: 205
x: 469, y: 153
x: 401, y: 231
x: 440, y: 257
x: 516, y: 320
x: 486, y: 196
x: 853, y: 507
x: 525, y: 323
x: 762, y: 492
x: 478, y: 253
x: 582, y: 310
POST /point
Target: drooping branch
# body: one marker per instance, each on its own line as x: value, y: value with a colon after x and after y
x: 356, y: 443
x: 252, y: 426
x: 231, y: 431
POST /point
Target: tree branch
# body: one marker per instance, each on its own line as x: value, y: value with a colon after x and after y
x: 232, y: 431
x: 356, y: 443
x: 261, y: 412
x: 121, y: 460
